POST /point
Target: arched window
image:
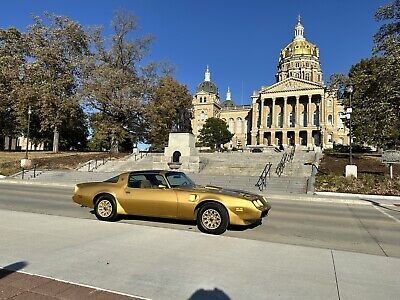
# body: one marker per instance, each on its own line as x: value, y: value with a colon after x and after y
x: 201, y: 99
x: 307, y: 76
x: 175, y: 156
x: 205, y: 99
x: 330, y: 120
x: 239, y: 125
x: 329, y: 138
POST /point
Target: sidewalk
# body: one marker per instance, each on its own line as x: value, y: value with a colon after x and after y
x: 159, y: 263
x: 17, y: 285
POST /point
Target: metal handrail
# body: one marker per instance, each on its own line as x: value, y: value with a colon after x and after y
x: 281, y: 165
x: 286, y: 157
x: 262, y: 180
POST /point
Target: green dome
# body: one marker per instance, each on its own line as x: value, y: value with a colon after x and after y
x: 208, y: 87
x: 228, y: 104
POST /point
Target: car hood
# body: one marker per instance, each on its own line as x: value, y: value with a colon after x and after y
x: 229, y: 192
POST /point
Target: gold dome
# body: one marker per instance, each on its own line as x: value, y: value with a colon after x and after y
x: 301, y: 48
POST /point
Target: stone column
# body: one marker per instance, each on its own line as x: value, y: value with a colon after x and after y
x: 285, y: 121
x: 297, y: 137
x: 309, y: 139
x: 254, y: 127
x: 262, y: 111
x: 273, y: 142
x: 309, y: 112
x: 273, y: 119
x: 297, y: 111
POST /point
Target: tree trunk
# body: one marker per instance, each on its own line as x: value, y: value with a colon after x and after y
x: 56, y: 139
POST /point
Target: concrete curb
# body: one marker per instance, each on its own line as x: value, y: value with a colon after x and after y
x: 359, y: 196
x: 35, y: 183
x: 336, y: 200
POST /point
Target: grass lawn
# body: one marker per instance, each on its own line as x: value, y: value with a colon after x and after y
x: 10, y: 161
x: 373, y: 175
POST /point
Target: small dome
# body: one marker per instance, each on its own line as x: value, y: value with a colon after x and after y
x: 208, y: 87
x: 228, y: 104
x: 299, y: 48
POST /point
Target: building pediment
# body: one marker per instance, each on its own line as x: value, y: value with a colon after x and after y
x: 292, y: 84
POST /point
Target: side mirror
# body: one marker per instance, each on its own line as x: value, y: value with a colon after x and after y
x: 161, y: 186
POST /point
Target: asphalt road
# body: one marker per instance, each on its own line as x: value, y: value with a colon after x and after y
x: 358, y: 228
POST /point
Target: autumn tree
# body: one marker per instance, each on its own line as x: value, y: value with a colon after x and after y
x: 169, y: 109
x: 57, y: 47
x: 116, y: 87
x: 12, y: 58
x: 214, y: 133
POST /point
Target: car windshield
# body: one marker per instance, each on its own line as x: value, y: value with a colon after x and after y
x: 178, y: 179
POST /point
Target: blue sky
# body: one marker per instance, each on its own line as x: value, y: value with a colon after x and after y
x: 239, y: 40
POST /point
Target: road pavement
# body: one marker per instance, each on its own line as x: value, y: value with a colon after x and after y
x: 358, y: 228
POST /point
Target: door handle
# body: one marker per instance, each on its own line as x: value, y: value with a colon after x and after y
x: 127, y: 192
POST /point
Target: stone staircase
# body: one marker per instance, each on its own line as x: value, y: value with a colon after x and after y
x: 129, y: 163
x: 238, y: 163
x: 231, y: 170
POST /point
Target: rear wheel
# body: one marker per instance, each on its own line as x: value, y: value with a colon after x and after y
x: 212, y: 218
x: 105, y: 208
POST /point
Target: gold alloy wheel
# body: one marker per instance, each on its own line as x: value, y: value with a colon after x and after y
x: 104, y: 208
x: 211, y: 219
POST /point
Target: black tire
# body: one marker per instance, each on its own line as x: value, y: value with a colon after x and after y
x: 101, y: 207
x: 212, y: 218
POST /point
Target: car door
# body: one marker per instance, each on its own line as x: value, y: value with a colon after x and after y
x: 147, y: 194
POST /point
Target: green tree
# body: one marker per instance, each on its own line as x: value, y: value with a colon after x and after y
x: 168, y: 110
x: 376, y: 80
x: 214, y: 133
x: 116, y: 87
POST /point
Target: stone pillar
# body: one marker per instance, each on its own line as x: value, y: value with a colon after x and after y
x: 297, y: 137
x: 254, y: 138
x: 273, y: 141
x: 273, y: 119
x: 285, y: 140
x: 261, y: 138
x: 262, y: 111
x: 285, y: 121
x: 309, y: 112
x: 309, y: 139
x: 297, y: 111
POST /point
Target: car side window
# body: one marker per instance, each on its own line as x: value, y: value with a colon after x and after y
x: 135, y: 181
x: 160, y: 180
x: 146, y: 181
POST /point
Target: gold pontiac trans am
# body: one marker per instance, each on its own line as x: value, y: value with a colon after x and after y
x: 171, y: 194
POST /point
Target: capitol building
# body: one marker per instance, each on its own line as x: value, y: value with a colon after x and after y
x: 297, y: 110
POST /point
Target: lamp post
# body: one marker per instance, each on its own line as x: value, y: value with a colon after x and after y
x: 27, y: 135
x: 349, y: 90
x: 351, y: 170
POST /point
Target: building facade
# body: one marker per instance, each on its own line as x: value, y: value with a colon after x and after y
x: 297, y: 110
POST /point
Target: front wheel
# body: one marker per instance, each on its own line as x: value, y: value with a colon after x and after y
x: 212, y: 218
x: 105, y: 208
